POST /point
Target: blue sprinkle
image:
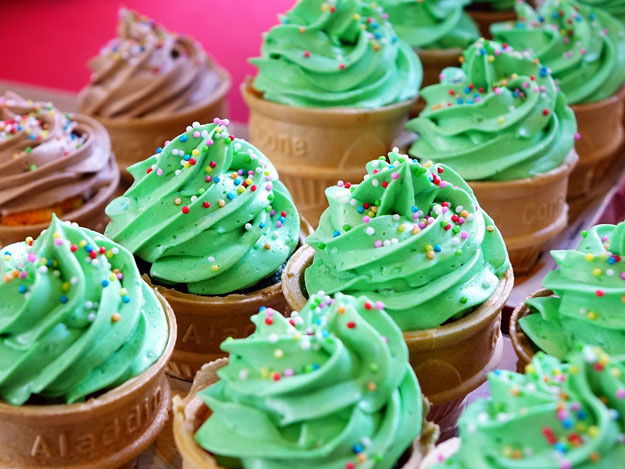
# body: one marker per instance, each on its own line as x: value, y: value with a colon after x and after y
x: 460, y: 101
x: 105, y: 283
x: 88, y: 248
x: 216, y: 179
x: 360, y: 209
x: 467, y: 90
x: 237, y: 181
x: 336, y: 233
x: 159, y: 150
x: 414, y: 209
x: 230, y: 196
x: 187, y: 157
x: 482, y: 51
x: 592, y: 16
x: 394, y: 40
x: 581, y: 415
x: 325, y: 334
x: 497, y: 372
x: 377, y: 35
x: 315, y: 366
x: 437, y: 247
x: 469, y: 101
x: 49, y: 263
x: 261, y: 225
x: 126, y: 299
x: 611, y: 260
x: 22, y: 289
x: 184, y: 138
x: 63, y: 299
x: 374, y: 25
x: 281, y: 219
x: 567, y: 423
x: 554, y: 15
x: 357, y: 449
x: 560, y: 447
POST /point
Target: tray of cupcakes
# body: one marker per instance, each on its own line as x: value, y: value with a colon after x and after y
x: 327, y: 291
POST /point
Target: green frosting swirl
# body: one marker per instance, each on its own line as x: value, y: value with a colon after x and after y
x: 432, y: 24
x: 499, y: 117
x: 496, y: 5
x: 583, y: 47
x: 208, y: 211
x: 336, y: 53
x: 75, y: 317
x: 329, y: 388
x: 615, y: 7
x: 590, y: 291
x: 556, y: 416
x: 411, y: 236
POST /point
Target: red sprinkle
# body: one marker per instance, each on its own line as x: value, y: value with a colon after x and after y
x: 351, y: 324
x: 268, y: 321
x: 93, y: 254
x: 148, y: 171
x: 368, y: 305
x: 600, y: 293
x: 185, y: 209
x: 73, y: 248
x: 206, y: 205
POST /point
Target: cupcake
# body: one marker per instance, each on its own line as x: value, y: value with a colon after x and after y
x: 582, y: 300
x: 149, y: 83
x: 502, y: 124
x: 334, y: 87
x: 584, y: 49
x: 212, y: 225
x: 556, y: 416
x: 437, y: 29
x: 51, y: 163
x: 83, y: 347
x: 487, y: 12
x: 414, y: 238
x: 329, y: 387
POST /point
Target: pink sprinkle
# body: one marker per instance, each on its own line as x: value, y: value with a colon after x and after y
x: 577, y: 136
x: 159, y: 172
x: 378, y: 244
x: 443, y: 184
x: 582, y: 51
x: 526, y: 84
x: 32, y: 257
x: 620, y: 393
x: 289, y: 372
x: 464, y: 235
x: 366, y: 219
x: 196, y: 134
x: 278, y: 224
x: 566, y: 465
x: 58, y: 241
x: 562, y: 414
x: 23, y: 274
x: 623, y: 275
x: 208, y: 179
x: 497, y: 90
x: 209, y: 142
x: 379, y: 305
x: 394, y: 175
x: 268, y: 187
x: 497, y: 52
x: 422, y: 225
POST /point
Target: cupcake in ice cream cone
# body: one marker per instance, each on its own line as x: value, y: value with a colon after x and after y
x: 148, y: 84
x: 584, y: 50
x: 333, y: 88
x: 83, y: 347
x: 502, y: 124
x: 52, y: 163
x: 582, y: 300
x: 555, y: 416
x: 212, y: 225
x: 414, y: 238
x: 329, y: 387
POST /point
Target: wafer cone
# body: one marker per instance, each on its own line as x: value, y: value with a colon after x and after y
x: 107, y: 431
x: 528, y: 212
x: 441, y: 453
x: 600, y: 127
x: 90, y: 215
x: 191, y: 412
x: 312, y: 148
x: 134, y: 139
x: 523, y: 346
x: 204, y: 322
x: 451, y: 360
x: 485, y: 18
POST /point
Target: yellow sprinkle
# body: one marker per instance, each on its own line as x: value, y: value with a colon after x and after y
x: 82, y: 243
x: 278, y: 353
x: 341, y: 309
x: 596, y: 271
x: 589, y: 257
x: 401, y: 228
x: 264, y: 372
x: 430, y: 255
x: 241, y: 189
x: 593, y: 431
x: 297, y: 336
x: 123, y: 292
x: 604, y: 359
x: 428, y: 164
x: 361, y: 457
x: 514, y: 76
x: 177, y: 201
x: 302, y: 29
x: 109, y: 254
x: 615, y: 372
x: 416, y: 230
x: 195, y: 152
x: 529, y: 368
x: 208, y: 169
x: 580, y: 427
x: 356, y: 17
x: 115, y: 317
x: 56, y: 235
x: 65, y: 286
x: 428, y: 247
x: 187, y: 164
x: 491, y: 58
x: 214, y: 267
x: 500, y: 119
x: 574, y: 369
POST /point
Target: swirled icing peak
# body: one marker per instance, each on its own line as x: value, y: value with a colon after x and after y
x: 499, y: 117
x: 330, y: 388
x: 412, y: 236
x: 75, y: 318
x: 48, y: 157
x: 207, y: 210
x: 336, y: 53
x: 431, y: 24
x: 147, y: 71
x: 583, y: 47
x: 555, y: 416
x: 589, y: 289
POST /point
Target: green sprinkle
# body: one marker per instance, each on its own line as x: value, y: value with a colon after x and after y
x: 374, y: 368
x: 346, y: 227
x: 584, y: 233
x: 378, y: 202
x: 321, y: 245
x: 464, y: 299
x: 33, y: 167
x: 28, y: 150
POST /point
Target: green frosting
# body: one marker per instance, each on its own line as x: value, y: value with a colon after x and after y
x: 329, y: 388
x: 496, y: 5
x: 208, y: 211
x: 499, y: 117
x: 411, y: 236
x: 336, y: 53
x: 432, y: 24
x: 556, y: 416
x: 583, y: 47
x: 75, y: 317
x: 615, y: 7
x: 589, y: 292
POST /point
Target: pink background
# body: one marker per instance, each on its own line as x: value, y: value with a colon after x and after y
x: 48, y: 42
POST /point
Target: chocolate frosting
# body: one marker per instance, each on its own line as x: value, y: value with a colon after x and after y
x: 47, y: 156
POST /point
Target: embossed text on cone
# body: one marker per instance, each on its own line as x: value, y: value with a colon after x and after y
x: 312, y: 148
x: 104, y: 432
x: 191, y: 412
x: 528, y: 212
x: 91, y: 215
x: 133, y: 139
x: 451, y: 360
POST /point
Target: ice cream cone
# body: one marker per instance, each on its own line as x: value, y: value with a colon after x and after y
x: 314, y: 147
x: 107, y: 431
x: 89, y: 215
x: 451, y: 360
x: 134, y: 139
x: 599, y: 148
x: 441, y: 453
x: 485, y: 18
x: 528, y: 212
x: 191, y: 412
x: 204, y: 322
x: 521, y: 343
